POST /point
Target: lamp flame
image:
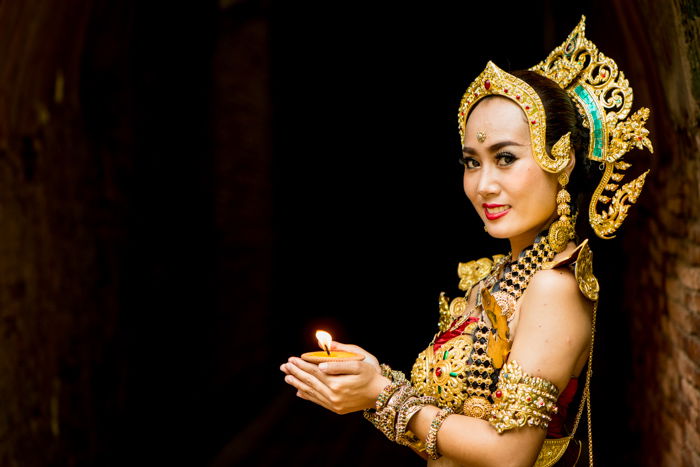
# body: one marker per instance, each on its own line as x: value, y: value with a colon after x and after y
x: 324, y: 341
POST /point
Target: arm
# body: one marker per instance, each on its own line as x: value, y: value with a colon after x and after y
x: 552, y: 341
x: 554, y: 332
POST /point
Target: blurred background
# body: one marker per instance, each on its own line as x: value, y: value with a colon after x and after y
x: 188, y: 190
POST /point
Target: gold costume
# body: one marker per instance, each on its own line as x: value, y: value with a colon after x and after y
x: 468, y: 373
x: 466, y: 370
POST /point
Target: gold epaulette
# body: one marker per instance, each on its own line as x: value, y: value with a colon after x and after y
x: 582, y: 258
x: 472, y: 272
x: 469, y: 275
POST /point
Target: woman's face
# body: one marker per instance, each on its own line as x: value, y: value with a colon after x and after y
x: 513, y: 195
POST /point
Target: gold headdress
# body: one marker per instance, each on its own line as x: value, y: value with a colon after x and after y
x: 603, y: 97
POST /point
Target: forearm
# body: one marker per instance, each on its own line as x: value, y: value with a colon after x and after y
x: 474, y: 442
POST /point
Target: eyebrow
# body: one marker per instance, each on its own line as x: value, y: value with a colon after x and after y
x: 493, y: 148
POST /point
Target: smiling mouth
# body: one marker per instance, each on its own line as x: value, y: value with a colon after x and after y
x: 494, y: 211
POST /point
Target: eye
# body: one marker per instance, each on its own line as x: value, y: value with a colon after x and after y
x: 504, y: 159
x: 469, y: 162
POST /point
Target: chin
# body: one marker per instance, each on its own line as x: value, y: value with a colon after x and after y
x: 498, y: 231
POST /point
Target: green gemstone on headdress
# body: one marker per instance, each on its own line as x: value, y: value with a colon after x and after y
x: 592, y: 110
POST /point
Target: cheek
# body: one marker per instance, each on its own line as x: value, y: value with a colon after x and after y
x: 469, y: 183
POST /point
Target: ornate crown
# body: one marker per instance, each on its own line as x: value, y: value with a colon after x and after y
x: 603, y: 96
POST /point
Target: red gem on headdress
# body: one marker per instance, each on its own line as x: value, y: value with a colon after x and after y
x: 527, y: 107
x: 534, y: 122
x: 639, y: 138
x: 528, y: 398
x: 602, y: 73
x: 476, y: 94
x: 487, y: 84
x: 506, y: 91
x: 438, y: 372
x: 518, y: 97
x: 499, y: 393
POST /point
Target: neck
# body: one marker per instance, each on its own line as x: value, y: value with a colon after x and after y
x: 518, y: 244
x: 524, y: 240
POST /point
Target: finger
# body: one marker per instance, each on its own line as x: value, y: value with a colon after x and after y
x: 341, y: 368
x: 305, y: 396
x: 309, y: 381
x: 305, y: 391
x: 349, y: 348
x: 283, y: 368
x: 310, y: 368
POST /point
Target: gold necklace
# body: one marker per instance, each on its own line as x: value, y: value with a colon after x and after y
x: 515, y: 281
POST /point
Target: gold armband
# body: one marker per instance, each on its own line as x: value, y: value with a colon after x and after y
x: 522, y: 400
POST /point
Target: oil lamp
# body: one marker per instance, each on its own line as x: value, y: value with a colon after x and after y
x: 328, y: 355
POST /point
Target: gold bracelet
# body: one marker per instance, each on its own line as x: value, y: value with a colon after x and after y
x: 409, y: 408
x: 431, y: 439
x: 384, y: 416
x: 522, y: 400
x: 394, y: 375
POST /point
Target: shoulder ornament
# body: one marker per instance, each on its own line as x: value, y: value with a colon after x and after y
x: 582, y: 259
x: 474, y: 271
x: 587, y: 282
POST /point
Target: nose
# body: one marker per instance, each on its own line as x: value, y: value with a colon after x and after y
x: 488, y: 185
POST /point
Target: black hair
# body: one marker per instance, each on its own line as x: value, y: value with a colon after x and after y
x: 563, y: 117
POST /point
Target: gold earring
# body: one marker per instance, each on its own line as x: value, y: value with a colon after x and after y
x: 562, y: 230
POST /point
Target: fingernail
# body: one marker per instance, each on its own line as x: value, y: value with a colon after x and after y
x: 282, y: 368
x: 322, y: 366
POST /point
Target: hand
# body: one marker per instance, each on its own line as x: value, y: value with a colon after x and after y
x: 341, y: 387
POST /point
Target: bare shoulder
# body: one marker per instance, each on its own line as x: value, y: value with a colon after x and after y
x: 554, y: 326
x: 557, y: 287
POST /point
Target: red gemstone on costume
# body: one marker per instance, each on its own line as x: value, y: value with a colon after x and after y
x: 487, y: 84
x: 527, y: 107
x: 529, y: 398
x: 438, y: 372
x: 506, y: 91
x: 603, y: 74
x: 534, y: 122
x: 499, y: 393
x: 517, y: 97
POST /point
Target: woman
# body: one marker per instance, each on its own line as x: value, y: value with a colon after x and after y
x: 498, y: 377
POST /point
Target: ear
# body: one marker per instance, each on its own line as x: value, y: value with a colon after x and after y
x: 572, y: 162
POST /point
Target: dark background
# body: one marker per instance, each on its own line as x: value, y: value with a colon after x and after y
x: 332, y: 199
x: 220, y: 179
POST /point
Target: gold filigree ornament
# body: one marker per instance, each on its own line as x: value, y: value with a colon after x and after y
x: 522, y: 400
x: 562, y: 230
x: 442, y: 374
x: 499, y: 343
x: 603, y: 95
x: 604, y: 98
x: 472, y: 272
x: 495, y: 82
x: 587, y: 282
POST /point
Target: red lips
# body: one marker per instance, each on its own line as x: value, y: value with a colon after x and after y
x: 491, y: 216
